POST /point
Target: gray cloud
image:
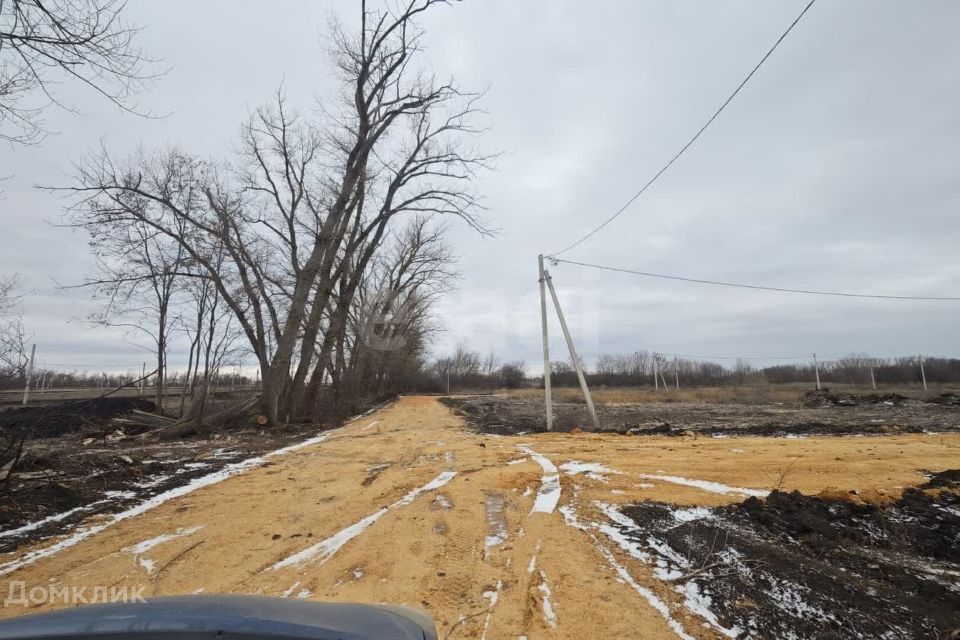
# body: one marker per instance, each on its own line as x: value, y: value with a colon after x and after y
x: 836, y: 168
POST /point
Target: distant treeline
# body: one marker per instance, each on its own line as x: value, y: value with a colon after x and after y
x: 466, y: 370
x: 50, y: 379
x: 637, y: 369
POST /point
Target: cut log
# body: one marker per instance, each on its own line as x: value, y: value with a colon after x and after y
x: 189, y: 425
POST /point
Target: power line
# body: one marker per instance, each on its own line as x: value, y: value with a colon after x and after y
x: 693, y: 139
x: 754, y: 286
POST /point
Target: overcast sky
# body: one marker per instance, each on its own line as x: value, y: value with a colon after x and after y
x: 836, y: 168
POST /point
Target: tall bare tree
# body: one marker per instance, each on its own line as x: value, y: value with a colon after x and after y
x: 137, y: 276
x: 13, y: 357
x: 306, y: 207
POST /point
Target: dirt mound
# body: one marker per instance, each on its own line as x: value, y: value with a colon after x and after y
x: 504, y: 415
x: 949, y: 479
x: 948, y: 399
x: 827, y: 398
x: 69, y: 417
x: 490, y: 415
x: 798, y: 566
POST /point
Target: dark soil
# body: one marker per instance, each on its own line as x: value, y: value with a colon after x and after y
x: 798, y: 566
x: 949, y: 479
x: 506, y: 415
x: 69, y: 417
x: 74, y: 458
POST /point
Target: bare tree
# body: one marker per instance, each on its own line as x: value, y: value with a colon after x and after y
x: 137, y: 275
x: 83, y: 40
x: 13, y: 357
x: 306, y: 207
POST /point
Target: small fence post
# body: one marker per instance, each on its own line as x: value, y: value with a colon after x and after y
x: 26, y: 389
x: 923, y: 374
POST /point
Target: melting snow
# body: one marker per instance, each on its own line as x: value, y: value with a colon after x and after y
x: 39, y: 523
x: 533, y: 558
x: 548, y: 613
x: 142, y: 547
x: 492, y: 596
x: 323, y: 550
x: 570, y: 517
x: 699, y: 602
x: 493, y: 507
x: 549, y: 494
x: 593, y: 470
x: 706, y: 485
x: 691, y: 514
x: 119, y: 495
x: 82, y: 534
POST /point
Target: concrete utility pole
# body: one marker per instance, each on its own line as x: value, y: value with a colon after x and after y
x: 573, y: 352
x: 26, y: 389
x: 656, y: 374
x: 816, y: 368
x: 873, y: 379
x: 676, y: 373
x: 143, y: 374
x: 547, y: 394
x: 923, y: 374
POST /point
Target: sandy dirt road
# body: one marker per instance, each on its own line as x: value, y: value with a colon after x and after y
x: 493, y: 536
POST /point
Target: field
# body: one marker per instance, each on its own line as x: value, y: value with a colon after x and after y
x: 688, y: 528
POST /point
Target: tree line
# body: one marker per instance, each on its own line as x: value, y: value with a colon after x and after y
x: 638, y: 369
x: 317, y: 248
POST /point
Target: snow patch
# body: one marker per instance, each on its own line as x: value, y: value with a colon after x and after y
x: 142, y: 547
x: 496, y: 523
x: 593, y: 470
x: 548, y: 613
x: 549, y: 494
x: 570, y: 517
x: 707, y: 485
x: 699, y: 603
x: 691, y: 514
x: 492, y: 596
x: 533, y: 558
x: 325, y: 549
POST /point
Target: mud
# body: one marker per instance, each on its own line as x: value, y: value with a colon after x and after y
x: 503, y: 415
x: 68, y: 417
x: 792, y: 565
x: 506, y: 537
x: 105, y: 476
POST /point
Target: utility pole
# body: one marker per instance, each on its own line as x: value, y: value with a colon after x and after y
x: 547, y: 393
x: 923, y: 374
x: 656, y: 373
x: 676, y: 373
x: 816, y: 368
x: 448, y: 381
x: 26, y: 389
x: 143, y: 374
x: 573, y: 352
x: 873, y: 379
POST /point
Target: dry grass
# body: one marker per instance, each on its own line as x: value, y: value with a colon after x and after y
x: 757, y: 394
